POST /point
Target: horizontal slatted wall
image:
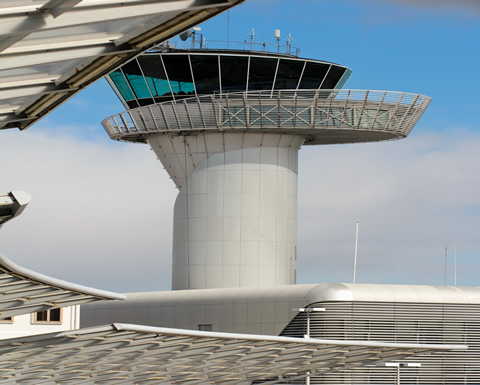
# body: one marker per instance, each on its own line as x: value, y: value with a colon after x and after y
x: 404, y: 323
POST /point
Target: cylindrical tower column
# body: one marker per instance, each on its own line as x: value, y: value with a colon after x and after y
x: 235, y: 215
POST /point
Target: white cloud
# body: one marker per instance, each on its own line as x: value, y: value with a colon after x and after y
x: 411, y: 197
x: 101, y: 212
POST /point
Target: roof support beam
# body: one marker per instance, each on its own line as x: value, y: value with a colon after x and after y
x: 98, y: 12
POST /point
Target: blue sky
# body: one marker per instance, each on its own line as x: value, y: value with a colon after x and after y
x: 101, y: 212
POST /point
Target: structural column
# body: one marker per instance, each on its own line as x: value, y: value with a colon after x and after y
x: 235, y: 214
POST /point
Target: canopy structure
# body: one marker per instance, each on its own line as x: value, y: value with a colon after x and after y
x: 12, y: 205
x: 51, y: 49
x: 23, y: 291
x: 131, y: 354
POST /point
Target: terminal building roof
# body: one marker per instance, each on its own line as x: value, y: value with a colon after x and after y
x: 131, y: 354
x: 52, y: 49
x: 23, y: 291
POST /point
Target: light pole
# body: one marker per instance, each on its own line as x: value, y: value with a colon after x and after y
x: 308, y: 310
x: 398, y: 365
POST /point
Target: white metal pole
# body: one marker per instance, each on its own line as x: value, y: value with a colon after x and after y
x: 398, y: 374
x: 307, y: 379
x: 355, y: 259
x: 455, y: 263
x: 445, y: 275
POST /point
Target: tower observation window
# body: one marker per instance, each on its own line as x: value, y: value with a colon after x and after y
x: 313, y: 76
x: 343, y: 79
x: 288, y: 74
x: 333, y: 77
x: 179, y: 74
x: 122, y: 85
x: 155, y: 77
x: 233, y: 70
x: 136, y: 80
x: 262, y: 72
x: 205, y: 73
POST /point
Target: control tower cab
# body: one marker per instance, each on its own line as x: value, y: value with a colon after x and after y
x: 227, y: 126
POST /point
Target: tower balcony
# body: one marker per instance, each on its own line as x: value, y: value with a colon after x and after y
x: 320, y: 116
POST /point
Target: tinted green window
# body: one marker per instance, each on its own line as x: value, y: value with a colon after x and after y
x: 288, y: 74
x: 262, y: 72
x: 121, y: 84
x: 233, y: 70
x: 154, y: 73
x: 333, y: 77
x: 179, y: 74
x: 136, y: 80
x: 205, y: 73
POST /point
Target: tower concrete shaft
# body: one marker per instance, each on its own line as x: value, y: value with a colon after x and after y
x: 235, y: 214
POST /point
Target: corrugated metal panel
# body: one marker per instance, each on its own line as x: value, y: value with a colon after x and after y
x: 431, y: 323
x: 121, y: 354
x: 23, y: 291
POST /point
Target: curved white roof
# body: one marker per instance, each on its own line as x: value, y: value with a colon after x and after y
x: 393, y: 293
x: 51, y: 49
x: 131, y: 354
x: 23, y: 291
x: 319, y: 292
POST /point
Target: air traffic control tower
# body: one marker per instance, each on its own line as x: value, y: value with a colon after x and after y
x: 227, y: 126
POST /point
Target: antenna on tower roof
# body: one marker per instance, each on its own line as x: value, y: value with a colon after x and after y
x: 228, y: 29
x: 277, y: 36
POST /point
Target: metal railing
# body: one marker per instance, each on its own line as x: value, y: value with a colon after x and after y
x: 300, y: 112
x: 244, y: 45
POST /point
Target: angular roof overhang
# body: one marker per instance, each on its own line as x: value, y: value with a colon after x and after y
x: 51, y: 49
x: 23, y: 291
x: 131, y: 354
x: 12, y: 205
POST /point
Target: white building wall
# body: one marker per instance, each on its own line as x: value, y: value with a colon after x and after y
x: 235, y: 215
x: 24, y: 325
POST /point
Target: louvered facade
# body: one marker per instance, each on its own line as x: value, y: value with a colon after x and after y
x: 413, y: 322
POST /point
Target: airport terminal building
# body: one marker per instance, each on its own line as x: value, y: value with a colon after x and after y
x: 227, y: 126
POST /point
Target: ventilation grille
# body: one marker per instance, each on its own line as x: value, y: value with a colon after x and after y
x: 403, y: 323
